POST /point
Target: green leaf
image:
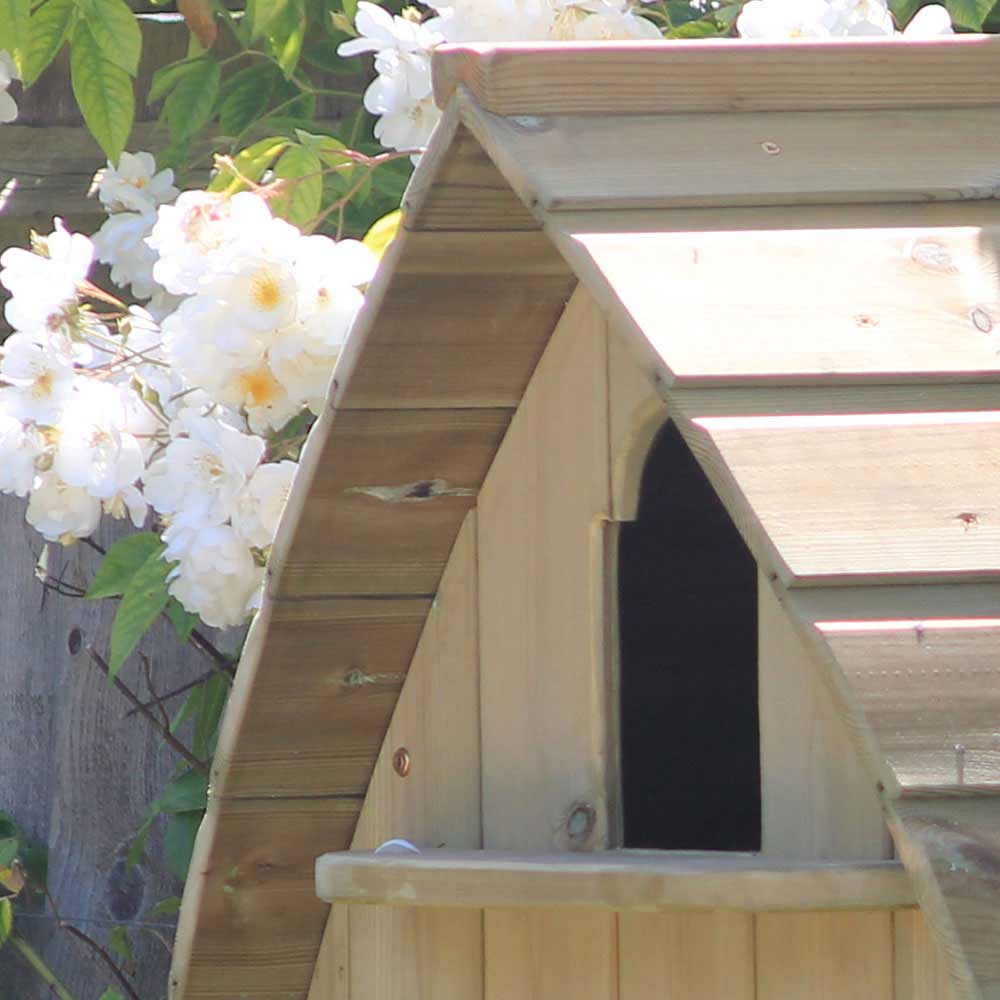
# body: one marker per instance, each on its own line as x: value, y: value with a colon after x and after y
x: 8, y: 850
x: 383, y: 232
x: 138, y: 845
x: 103, y: 91
x: 122, y: 562
x: 192, y: 101
x: 120, y: 943
x: 6, y: 920
x: 251, y: 164
x: 245, y: 97
x: 188, y: 793
x: 167, y: 77
x: 178, y: 843
x: 287, y: 35
x: 215, y: 691
x: 302, y: 199
x: 165, y: 907
x: 694, y: 29
x: 115, y: 30
x: 903, y: 10
x: 261, y: 14
x: 50, y: 27
x: 183, y: 621
x: 15, y: 17
x: 142, y: 603
x: 110, y: 994
x: 969, y: 13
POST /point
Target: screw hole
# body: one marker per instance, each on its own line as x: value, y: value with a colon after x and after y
x: 74, y: 641
x: 401, y: 762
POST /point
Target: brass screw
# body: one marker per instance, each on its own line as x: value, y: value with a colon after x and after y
x: 401, y: 762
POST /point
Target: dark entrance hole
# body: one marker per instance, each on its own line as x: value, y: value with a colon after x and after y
x: 688, y: 620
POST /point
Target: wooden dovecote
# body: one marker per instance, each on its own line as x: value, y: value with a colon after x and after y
x: 788, y: 252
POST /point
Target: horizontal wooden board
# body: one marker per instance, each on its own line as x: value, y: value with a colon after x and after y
x: 562, y: 163
x: 389, y: 491
x: 614, y: 880
x: 930, y: 689
x: 889, y: 291
x: 721, y: 75
x: 314, y: 694
x: 952, y: 849
x: 251, y: 924
x: 862, y: 498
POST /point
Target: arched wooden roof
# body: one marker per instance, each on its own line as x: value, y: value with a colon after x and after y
x: 839, y: 387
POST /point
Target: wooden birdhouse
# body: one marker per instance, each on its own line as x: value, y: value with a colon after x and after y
x: 644, y: 571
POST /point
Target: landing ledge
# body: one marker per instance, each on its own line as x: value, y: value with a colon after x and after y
x: 610, y: 880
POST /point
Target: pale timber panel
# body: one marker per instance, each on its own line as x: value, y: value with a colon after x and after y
x: 680, y: 956
x: 430, y: 954
x: 389, y: 492
x: 817, y: 798
x: 315, y: 690
x: 721, y: 75
x: 920, y: 970
x: 543, y: 680
x: 458, y: 186
x: 251, y: 923
x: 930, y: 689
x: 894, y: 291
x: 332, y: 976
x: 615, y: 880
x: 865, y: 498
x: 951, y: 847
x: 824, y: 157
x: 824, y: 956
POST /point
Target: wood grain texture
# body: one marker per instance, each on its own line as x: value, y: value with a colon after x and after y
x: 332, y: 975
x: 930, y: 689
x: 429, y: 953
x: 952, y: 850
x: 75, y: 771
x: 612, y: 880
x: 887, y: 291
x: 919, y: 968
x: 388, y: 496
x: 818, y: 800
x: 868, y: 498
x: 256, y: 925
x: 632, y: 161
x: 328, y: 672
x: 542, y: 661
x: 824, y: 956
x: 720, y: 75
x: 672, y: 956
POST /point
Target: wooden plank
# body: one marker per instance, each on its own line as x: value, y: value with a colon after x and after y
x: 458, y: 186
x: 864, y: 498
x: 919, y: 968
x: 951, y: 848
x: 541, y: 547
x: 817, y: 798
x: 721, y: 75
x: 632, y: 161
x: 431, y: 953
x: 316, y: 688
x: 673, y: 956
x: 611, y: 880
x: 930, y: 689
x: 332, y: 975
x: 251, y: 923
x: 388, y: 494
x: 824, y: 956
x: 900, y: 293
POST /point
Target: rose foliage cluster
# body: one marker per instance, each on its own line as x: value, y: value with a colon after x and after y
x: 173, y: 409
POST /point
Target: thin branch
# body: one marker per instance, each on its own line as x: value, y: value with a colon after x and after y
x: 102, y: 953
x: 38, y: 964
x: 183, y: 689
x: 148, y: 673
x: 175, y: 744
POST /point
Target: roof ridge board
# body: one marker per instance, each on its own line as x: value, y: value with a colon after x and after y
x: 727, y: 75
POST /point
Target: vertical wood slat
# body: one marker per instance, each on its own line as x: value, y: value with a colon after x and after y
x: 542, y: 660
x: 920, y: 970
x: 399, y: 954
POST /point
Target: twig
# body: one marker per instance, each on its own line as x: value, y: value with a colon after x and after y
x: 175, y: 744
x: 148, y: 673
x: 183, y: 689
x: 102, y: 953
x: 38, y: 964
